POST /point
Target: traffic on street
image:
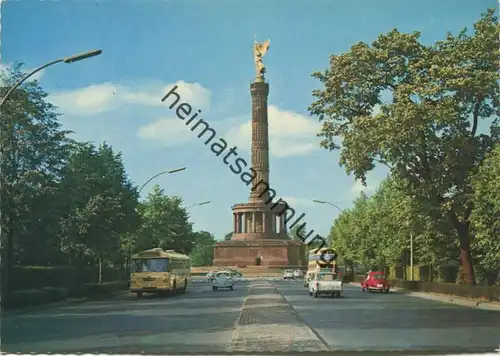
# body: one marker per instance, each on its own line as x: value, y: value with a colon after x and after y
x: 171, y: 185
x: 261, y: 315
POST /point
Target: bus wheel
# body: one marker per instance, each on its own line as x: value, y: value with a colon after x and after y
x: 185, y: 286
x: 139, y: 294
x: 174, y: 288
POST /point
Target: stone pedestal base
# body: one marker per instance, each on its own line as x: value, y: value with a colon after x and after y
x: 266, y: 253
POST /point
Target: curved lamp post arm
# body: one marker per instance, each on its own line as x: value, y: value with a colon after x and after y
x: 159, y: 174
x: 198, y: 204
x: 328, y: 203
x: 70, y: 59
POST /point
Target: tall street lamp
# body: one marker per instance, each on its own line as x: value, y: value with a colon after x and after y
x: 71, y: 59
x: 327, y: 202
x: 198, y: 204
x: 160, y: 174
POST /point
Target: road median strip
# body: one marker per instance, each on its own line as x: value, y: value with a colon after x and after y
x: 268, y: 323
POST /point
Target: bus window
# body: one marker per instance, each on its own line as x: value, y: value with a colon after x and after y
x: 150, y: 265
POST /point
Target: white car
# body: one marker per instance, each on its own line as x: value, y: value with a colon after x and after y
x: 326, y: 283
x: 297, y: 273
x: 288, y: 274
x: 222, y: 280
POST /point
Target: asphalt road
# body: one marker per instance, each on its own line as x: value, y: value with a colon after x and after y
x: 270, y: 315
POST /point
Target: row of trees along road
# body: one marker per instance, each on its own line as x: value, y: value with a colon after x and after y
x: 430, y: 114
x: 69, y: 203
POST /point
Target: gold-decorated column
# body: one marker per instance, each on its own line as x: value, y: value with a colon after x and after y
x: 259, y: 90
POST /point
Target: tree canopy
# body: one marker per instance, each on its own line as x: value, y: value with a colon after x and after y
x: 72, y: 203
x: 427, y: 112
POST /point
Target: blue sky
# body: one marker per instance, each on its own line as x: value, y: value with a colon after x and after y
x: 206, y: 47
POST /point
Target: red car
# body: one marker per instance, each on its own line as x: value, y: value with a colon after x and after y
x: 375, y: 281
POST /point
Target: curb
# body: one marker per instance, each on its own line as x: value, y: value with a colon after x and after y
x: 443, y: 298
x: 470, y: 303
x: 65, y: 302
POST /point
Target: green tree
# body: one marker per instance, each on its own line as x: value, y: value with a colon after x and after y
x: 101, y: 204
x: 486, y: 213
x: 203, y: 251
x: 165, y: 224
x: 431, y: 100
x: 228, y: 236
x: 34, y: 149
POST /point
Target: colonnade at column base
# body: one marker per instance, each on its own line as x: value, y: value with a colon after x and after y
x: 257, y: 220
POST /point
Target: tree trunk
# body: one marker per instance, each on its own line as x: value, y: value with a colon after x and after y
x: 462, y: 228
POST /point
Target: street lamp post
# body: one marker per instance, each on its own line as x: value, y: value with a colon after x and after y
x: 198, y: 204
x: 71, y: 59
x: 328, y: 203
x: 160, y: 174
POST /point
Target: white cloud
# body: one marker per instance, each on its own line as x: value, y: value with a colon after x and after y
x: 171, y: 131
x: 293, y: 202
x: 36, y: 76
x: 358, y: 187
x: 98, y: 98
x: 290, y: 134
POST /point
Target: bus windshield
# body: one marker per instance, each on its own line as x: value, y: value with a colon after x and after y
x: 150, y: 265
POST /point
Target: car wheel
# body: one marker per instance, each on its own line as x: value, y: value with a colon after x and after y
x: 362, y: 289
x: 231, y: 288
x: 214, y: 288
x: 139, y: 294
x: 315, y: 294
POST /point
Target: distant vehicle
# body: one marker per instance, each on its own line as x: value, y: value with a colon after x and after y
x: 210, y: 276
x: 234, y: 272
x: 323, y: 260
x: 288, y: 274
x: 326, y: 283
x: 297, y: 273
x: 376, y: 281
x: 157, y: 271
x: 222, y: 280
x: 307, y: 278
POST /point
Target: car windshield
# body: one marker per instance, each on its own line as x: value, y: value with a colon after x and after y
x: 222, y: 274
x: 150, y: 265
x: 288, y: 271
x: 378, y: 276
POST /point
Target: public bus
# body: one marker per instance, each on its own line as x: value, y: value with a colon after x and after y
x: 159, y: 272
x: 327, y: 263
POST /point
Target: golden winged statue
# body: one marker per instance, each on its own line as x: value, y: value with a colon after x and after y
x: 259, y: 50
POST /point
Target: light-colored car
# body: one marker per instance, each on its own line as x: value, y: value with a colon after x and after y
x: 326, y: 283
x: 297, y: 273
x: 222, y: 280
x: 288, y: 274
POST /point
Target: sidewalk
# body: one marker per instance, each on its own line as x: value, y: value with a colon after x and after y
x: 462, y: 301
x: 65, y: 302
x: 450, y: 299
